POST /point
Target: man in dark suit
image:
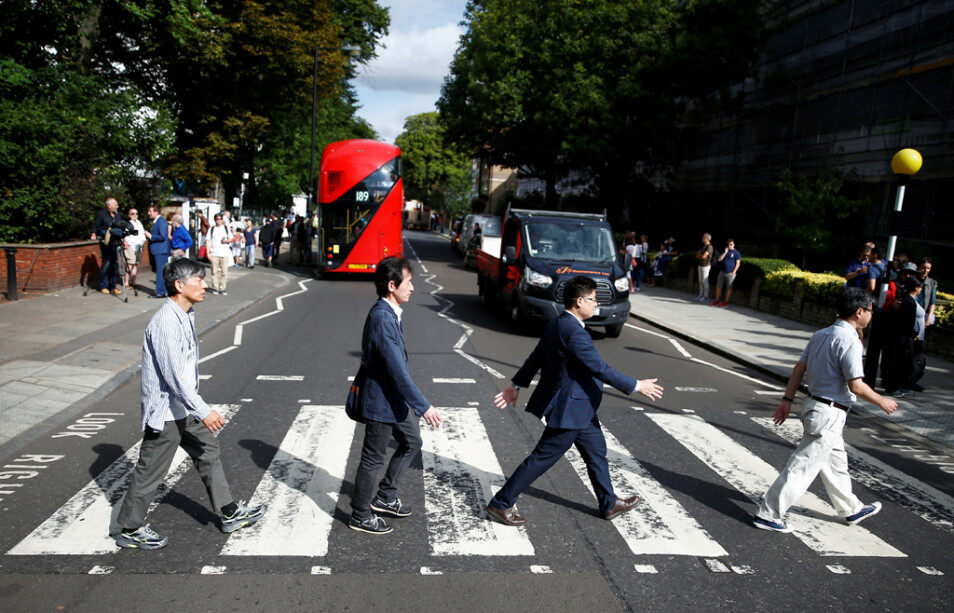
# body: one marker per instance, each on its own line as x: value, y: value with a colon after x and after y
x: 387, y: 392
x: 568, y: 395
x: 159, y: 247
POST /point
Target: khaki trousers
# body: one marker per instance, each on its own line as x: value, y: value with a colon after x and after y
x: 220, y: 272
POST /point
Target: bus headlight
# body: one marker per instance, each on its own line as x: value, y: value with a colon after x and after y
x: 535, y: 278
x: 621, y: 284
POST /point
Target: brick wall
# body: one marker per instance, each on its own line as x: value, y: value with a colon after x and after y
x: 49, y: 267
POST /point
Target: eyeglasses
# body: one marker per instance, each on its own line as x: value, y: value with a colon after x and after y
x: 588, y: 298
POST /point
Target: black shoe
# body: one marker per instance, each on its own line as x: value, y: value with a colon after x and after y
x: 373, y: 525
x: 393, y: 508
x: 914, y: 387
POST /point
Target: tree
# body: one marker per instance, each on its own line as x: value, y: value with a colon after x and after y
x: 603, y: 88
x: 814, y: 211
x: 434, y: 171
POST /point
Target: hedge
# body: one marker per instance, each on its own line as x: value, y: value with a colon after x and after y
x: 820, y: 288
x: 944, y: 313
x: 750, y: 269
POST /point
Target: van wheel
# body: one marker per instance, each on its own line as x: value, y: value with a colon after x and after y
x: 614, y: 331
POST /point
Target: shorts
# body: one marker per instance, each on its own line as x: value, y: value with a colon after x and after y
x: 726, y: 279
x: 131, y: 254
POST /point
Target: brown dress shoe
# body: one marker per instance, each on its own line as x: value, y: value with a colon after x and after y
x: 104, y: 291
x: 507, y: 516
x: 622, y: 505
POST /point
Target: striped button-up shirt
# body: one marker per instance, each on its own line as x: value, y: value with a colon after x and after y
x: 170, y: 368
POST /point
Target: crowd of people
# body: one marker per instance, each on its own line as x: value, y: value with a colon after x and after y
x: 225, y: 243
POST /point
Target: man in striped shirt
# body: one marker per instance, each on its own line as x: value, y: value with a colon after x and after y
x: 175, y: 415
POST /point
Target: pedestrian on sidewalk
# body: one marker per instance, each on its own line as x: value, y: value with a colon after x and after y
x: 568, y: 395
x: 107, y: 229
x: 630, y: 253
x: 278, y: 229
x: 832, y: 368
x: 898, y: 368
x: 704, y: 265
x: 729, y: 263
x: 643, y: 258
x: 133, y: 247
x: 218, y: 241
x: 885, y: 323
x: 856, y: 274
x: 175, y: 415
x: 249, y: 236
x: 181, y: 240
x: 236, y: 246
x: 390, y: 404
x: 159, y: 247
x: 265, y: 236
x: 928, y: 296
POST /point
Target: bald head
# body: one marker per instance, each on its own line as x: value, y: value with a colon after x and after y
x: 112, y: 205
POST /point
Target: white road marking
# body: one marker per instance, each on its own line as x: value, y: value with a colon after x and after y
x: 646, y: 331
x: 743, y: 569
x: 461, y: 475
x: 443, y: 380
x: 648, y: 569
x: 636, y: 408
x: 301, y: 488
x: 658, y: 524
x: 217, y: 353
x: 473, y: 404
x: 814, y: 523
x: 204, y: 377
x: 321, y: 570
x: 426, y: 570
x: 680, y: 348
x: 688, y: 411
x: 541, y: 569
x: 280, y: 378
x: 715, y: 565
x: 351, y: 378
x: 934, y: 506
x: 213, y: 570
x: 697, y: 390
x: 930, y: 570
x: 83, y: 524
x: 741, y: 412
x: 100, y: 570
x: 838, y: 569
x: 245, y: 399
x: 304, y: 401
x: 769, y: 392
x: 737, y: 374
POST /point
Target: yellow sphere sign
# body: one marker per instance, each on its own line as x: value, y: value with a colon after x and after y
x: 906, y: 162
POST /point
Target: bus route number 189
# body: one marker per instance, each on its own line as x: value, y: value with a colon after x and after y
x: 362, y: 196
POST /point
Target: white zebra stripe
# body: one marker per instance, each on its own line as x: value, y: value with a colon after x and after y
x: 814, y: 523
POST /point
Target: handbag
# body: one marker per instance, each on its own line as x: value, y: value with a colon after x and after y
x: 203, y: 252
x: 353, y: 402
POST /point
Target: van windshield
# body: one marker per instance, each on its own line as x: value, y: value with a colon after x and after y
x: 570, y: 241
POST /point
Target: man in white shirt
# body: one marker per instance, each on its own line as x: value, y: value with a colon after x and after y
x: 219, y: 244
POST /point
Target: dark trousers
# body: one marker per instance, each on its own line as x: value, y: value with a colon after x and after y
x: 555, y: 442
x: 877, y: 333
x: 377, y: 435
x: 160, y: 259
x: 897, y: 363
x: 155, y: 457
x: 109, y: 269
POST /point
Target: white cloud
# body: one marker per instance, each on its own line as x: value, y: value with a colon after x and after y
x: 413, y: 61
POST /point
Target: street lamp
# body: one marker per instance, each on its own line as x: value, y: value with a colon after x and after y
x: 348, y: 51
x: 905, y: 164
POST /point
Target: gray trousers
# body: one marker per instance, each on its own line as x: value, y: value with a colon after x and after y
x: 155, y: 457
x: 377, y: 436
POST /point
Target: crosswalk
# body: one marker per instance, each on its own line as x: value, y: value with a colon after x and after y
x: 461, y: 472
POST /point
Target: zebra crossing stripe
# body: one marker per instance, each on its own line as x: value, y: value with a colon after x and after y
x: 301, y: 488
x: 931, y: 504
x: 814, y: 523
x: 658, y: 524
x: 461, y: 475
x: 83, y: 524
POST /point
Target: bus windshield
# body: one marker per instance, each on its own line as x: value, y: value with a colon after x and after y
x: 346, y: 218
x: 570, y: 241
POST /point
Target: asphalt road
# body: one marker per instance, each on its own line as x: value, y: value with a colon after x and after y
x: 697, y: 458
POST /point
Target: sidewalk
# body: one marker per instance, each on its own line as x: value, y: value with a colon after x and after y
x: 773, y: 344
x: 60, y: 353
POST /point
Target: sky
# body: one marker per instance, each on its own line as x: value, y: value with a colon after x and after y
x: 413, y: 59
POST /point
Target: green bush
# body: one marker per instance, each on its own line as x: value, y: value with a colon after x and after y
x: 820, y: 288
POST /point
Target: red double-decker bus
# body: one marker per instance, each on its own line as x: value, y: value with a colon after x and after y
x: 360, y: 197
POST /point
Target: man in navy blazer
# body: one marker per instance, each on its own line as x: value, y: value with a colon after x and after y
x: 159, y: 247
x: 568, y: 396
x: 387, y: 392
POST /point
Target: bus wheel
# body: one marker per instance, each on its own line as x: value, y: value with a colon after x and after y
x: 614, y: 331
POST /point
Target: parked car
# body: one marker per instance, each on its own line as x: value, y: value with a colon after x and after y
x: 456, y: 227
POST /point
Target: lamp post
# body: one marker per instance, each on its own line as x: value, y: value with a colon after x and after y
x: 348, y: 51
x: 904, y: 164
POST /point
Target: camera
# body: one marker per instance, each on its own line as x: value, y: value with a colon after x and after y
x: 122, y: 229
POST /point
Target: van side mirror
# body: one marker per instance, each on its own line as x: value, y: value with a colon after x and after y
x: 510, y: 254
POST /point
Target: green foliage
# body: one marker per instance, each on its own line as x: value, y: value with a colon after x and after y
x: 814, y: 211
x: 434, y: 171
x: 589, y: 85
x: 819, y: 288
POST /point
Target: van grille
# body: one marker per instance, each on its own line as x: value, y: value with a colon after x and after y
x: 604, y: 292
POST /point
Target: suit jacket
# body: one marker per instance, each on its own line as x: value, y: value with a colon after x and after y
x: 572, y: 377
x: 159, y: 238
x: 387, y: 390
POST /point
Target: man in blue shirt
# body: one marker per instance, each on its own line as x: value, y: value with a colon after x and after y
x: 856, y: 275
x: 729, y: 263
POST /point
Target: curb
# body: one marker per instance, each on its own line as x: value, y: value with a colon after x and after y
x: 738, y: 359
